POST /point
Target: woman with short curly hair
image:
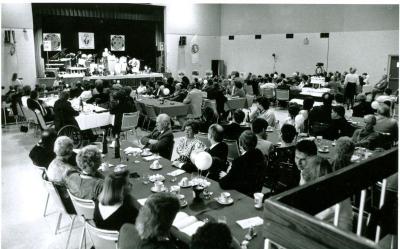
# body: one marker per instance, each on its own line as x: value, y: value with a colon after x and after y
x: 63, y: 148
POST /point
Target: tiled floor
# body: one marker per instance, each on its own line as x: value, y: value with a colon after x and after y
x: 23, y: 197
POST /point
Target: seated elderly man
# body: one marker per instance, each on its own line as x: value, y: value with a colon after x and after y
x: 86, y: 184
x: 367, y: 137
x: 386, y: 124
x: 62, y: 163
x: 161, y: 140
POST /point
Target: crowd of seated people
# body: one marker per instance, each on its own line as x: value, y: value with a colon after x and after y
x: 291, y: 162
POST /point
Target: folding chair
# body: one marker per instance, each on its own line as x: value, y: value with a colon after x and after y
x: 233, y: 149
x: 268, y: 92
x: 150, y: 114
x: 203, y: 137
x: 102, y: 238
x: 129, y: 122
x: 84, y: 209
x: 142, y: 113
x: 282, y: 95
x: 42, y: 124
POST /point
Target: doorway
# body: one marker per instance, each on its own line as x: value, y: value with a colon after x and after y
x: 393, y: 70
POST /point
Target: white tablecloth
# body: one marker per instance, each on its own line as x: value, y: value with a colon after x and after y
x: 318, y: 92
x: 300, y: 102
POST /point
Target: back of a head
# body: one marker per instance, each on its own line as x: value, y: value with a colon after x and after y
x: 259, y: 125
x: 63, y: 146
x: 327, y: 99
x: 114, y: 188
x: 344, y: 150
x: 388, y: 91
x: 156, y: 216
x: 264, y: 102
x: 288, y: 132
x: 308, y: 103
x: 238, y: 83
x: 238, y: 116
x: 63, y: 95
x: 33, y: 95
x: 216, y: 132
x: 89, y: 159
x: 293, y: 109
x: 307, y: 147
x: 212, y: 236
x: 339, y: 98
x: 339, y: 110
x: 209, y: 114
x: 248, y: 140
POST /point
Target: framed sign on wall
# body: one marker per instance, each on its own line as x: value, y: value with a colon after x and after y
x: 117, y: 42
x: 55, y: 39
x: 86, y: 40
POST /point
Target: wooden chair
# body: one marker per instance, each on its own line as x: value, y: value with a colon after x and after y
x: 101, y: 238
x: 233, y: 149
x: 84, y: 210
x: 203, y: 137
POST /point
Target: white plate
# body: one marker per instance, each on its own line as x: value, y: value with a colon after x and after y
x: 154, y: 168
x: 143, y: 154
x: 228, y: 201
x: 154, y: 179
x: 323, y: 151
x: 153, y: 189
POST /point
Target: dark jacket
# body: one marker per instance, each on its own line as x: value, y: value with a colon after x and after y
x: 219, y: 154
x: 338, y: 128
x: 165, y: 143
x: 247, y: 173
x: 321, y: 114
x: 125, y: 105
x: 233, y: 131
x: 41, y: 156
x: 64, y: 114
x: 220, y: 99
x: 100, y: 98
x: 36, y: 105
x: 178, y: 96
x: 126, y: 213
x: 362, y: 109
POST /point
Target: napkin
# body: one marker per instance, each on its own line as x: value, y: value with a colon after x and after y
x: 250, y: 222
x: 130, y: 150
x: 176, y: 172
x: 153, y: 157
x: 142, y: 201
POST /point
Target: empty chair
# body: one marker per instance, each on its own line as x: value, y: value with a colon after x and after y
x: 249, y: 89
x: 150, y: 114
x: 250, y: 100
x: 203, y: 137
x: 282, y: 95
x: 102, y: 239
x: 233, y: 149
x: 142, y: 114
x: 42, y: 124
x: 129, y: 121
x: 268, y: 92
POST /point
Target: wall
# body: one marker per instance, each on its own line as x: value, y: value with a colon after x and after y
x: 200, y: 23
x: 18, y: 17
x: 361, y: 36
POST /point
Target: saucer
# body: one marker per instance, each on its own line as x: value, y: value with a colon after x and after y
x: 154, y: 190
x: 323, y: 151
x: 185, y: 186
x: 156, y: 168
x: 270, y: 130
x: 227, y: 201
x: 157, y: 177
x: 144, y: 154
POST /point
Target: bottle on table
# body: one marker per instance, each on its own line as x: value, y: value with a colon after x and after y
x: 117, y: 147
x: 105, y: 147
x: 81, y: 104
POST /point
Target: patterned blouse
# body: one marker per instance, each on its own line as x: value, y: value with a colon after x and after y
x: 186, y: 146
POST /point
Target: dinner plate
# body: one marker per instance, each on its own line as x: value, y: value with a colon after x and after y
x: 270, y: 130
x: 153, y: 178
x: 323, y: 151
x: 228, y: 201
x: 154, y: 190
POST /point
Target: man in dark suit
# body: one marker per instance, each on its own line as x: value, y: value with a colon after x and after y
x: 218, y: 151
x: 216, y: 92
x: 161, y: 140
x: 34, y: 103
x: 102, y: 97
x: 248, y: 171
x: 339, y: 126
x: 233, y: 130
x: 179, y: 95
x: 320, y: 116
x: 64, y: 114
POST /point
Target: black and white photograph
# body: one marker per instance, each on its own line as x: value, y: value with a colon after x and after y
x: 199, y: 124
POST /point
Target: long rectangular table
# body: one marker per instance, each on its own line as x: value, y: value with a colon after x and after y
x: 172, y: 108
x: 128, y: 79
x: 242, y: 208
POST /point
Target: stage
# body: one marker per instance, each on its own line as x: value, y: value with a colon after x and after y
x: 132, y: 80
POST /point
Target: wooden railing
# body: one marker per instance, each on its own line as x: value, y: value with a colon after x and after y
x: 289, y: 216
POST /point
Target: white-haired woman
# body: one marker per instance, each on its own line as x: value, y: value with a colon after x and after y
x: 63, y: 148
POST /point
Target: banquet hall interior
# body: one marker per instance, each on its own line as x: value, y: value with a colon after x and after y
x: 193, y: 125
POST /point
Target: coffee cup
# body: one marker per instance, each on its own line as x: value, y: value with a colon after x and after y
x: 156, y: 164
x: 184, y: 181
x: 325, y: 148
x: 258, y: 200
x: 146, y: 151
x: 158, y: 185
x: 225, y: 196
x: 175, y: 189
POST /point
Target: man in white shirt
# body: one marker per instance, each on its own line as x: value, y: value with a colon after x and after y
x: 259, y: 127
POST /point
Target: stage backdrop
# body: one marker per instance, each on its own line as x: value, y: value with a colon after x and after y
x: 136, y: 23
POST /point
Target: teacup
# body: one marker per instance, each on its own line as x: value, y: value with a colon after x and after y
x: 158, y: 185
x: 185, y: 181
x: 224, y: 196
x: 175, y: 189
x: 325, y: 148
x: 146, y: 151
x: 156, y: 164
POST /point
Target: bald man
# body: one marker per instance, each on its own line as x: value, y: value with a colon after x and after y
x: 161, y: 140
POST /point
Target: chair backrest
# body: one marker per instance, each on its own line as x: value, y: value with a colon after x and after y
x: 30, y: 115
x: 139, y: 107
x: 282, y: 94
x: 20, y: 112
x: 42, y: 123
x: 83, y: 207
x: 268, y: 92
x: 55, y: 196
x: 233, y: 149
x: 102, y: 238
x: 249, y: 89
x: 129, y: 121
x: 250, y: 100
x: 203, y: 137
x: 150, y: 112
x: 210, y: 103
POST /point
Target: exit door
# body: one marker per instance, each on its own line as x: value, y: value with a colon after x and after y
x: 393, y: 69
